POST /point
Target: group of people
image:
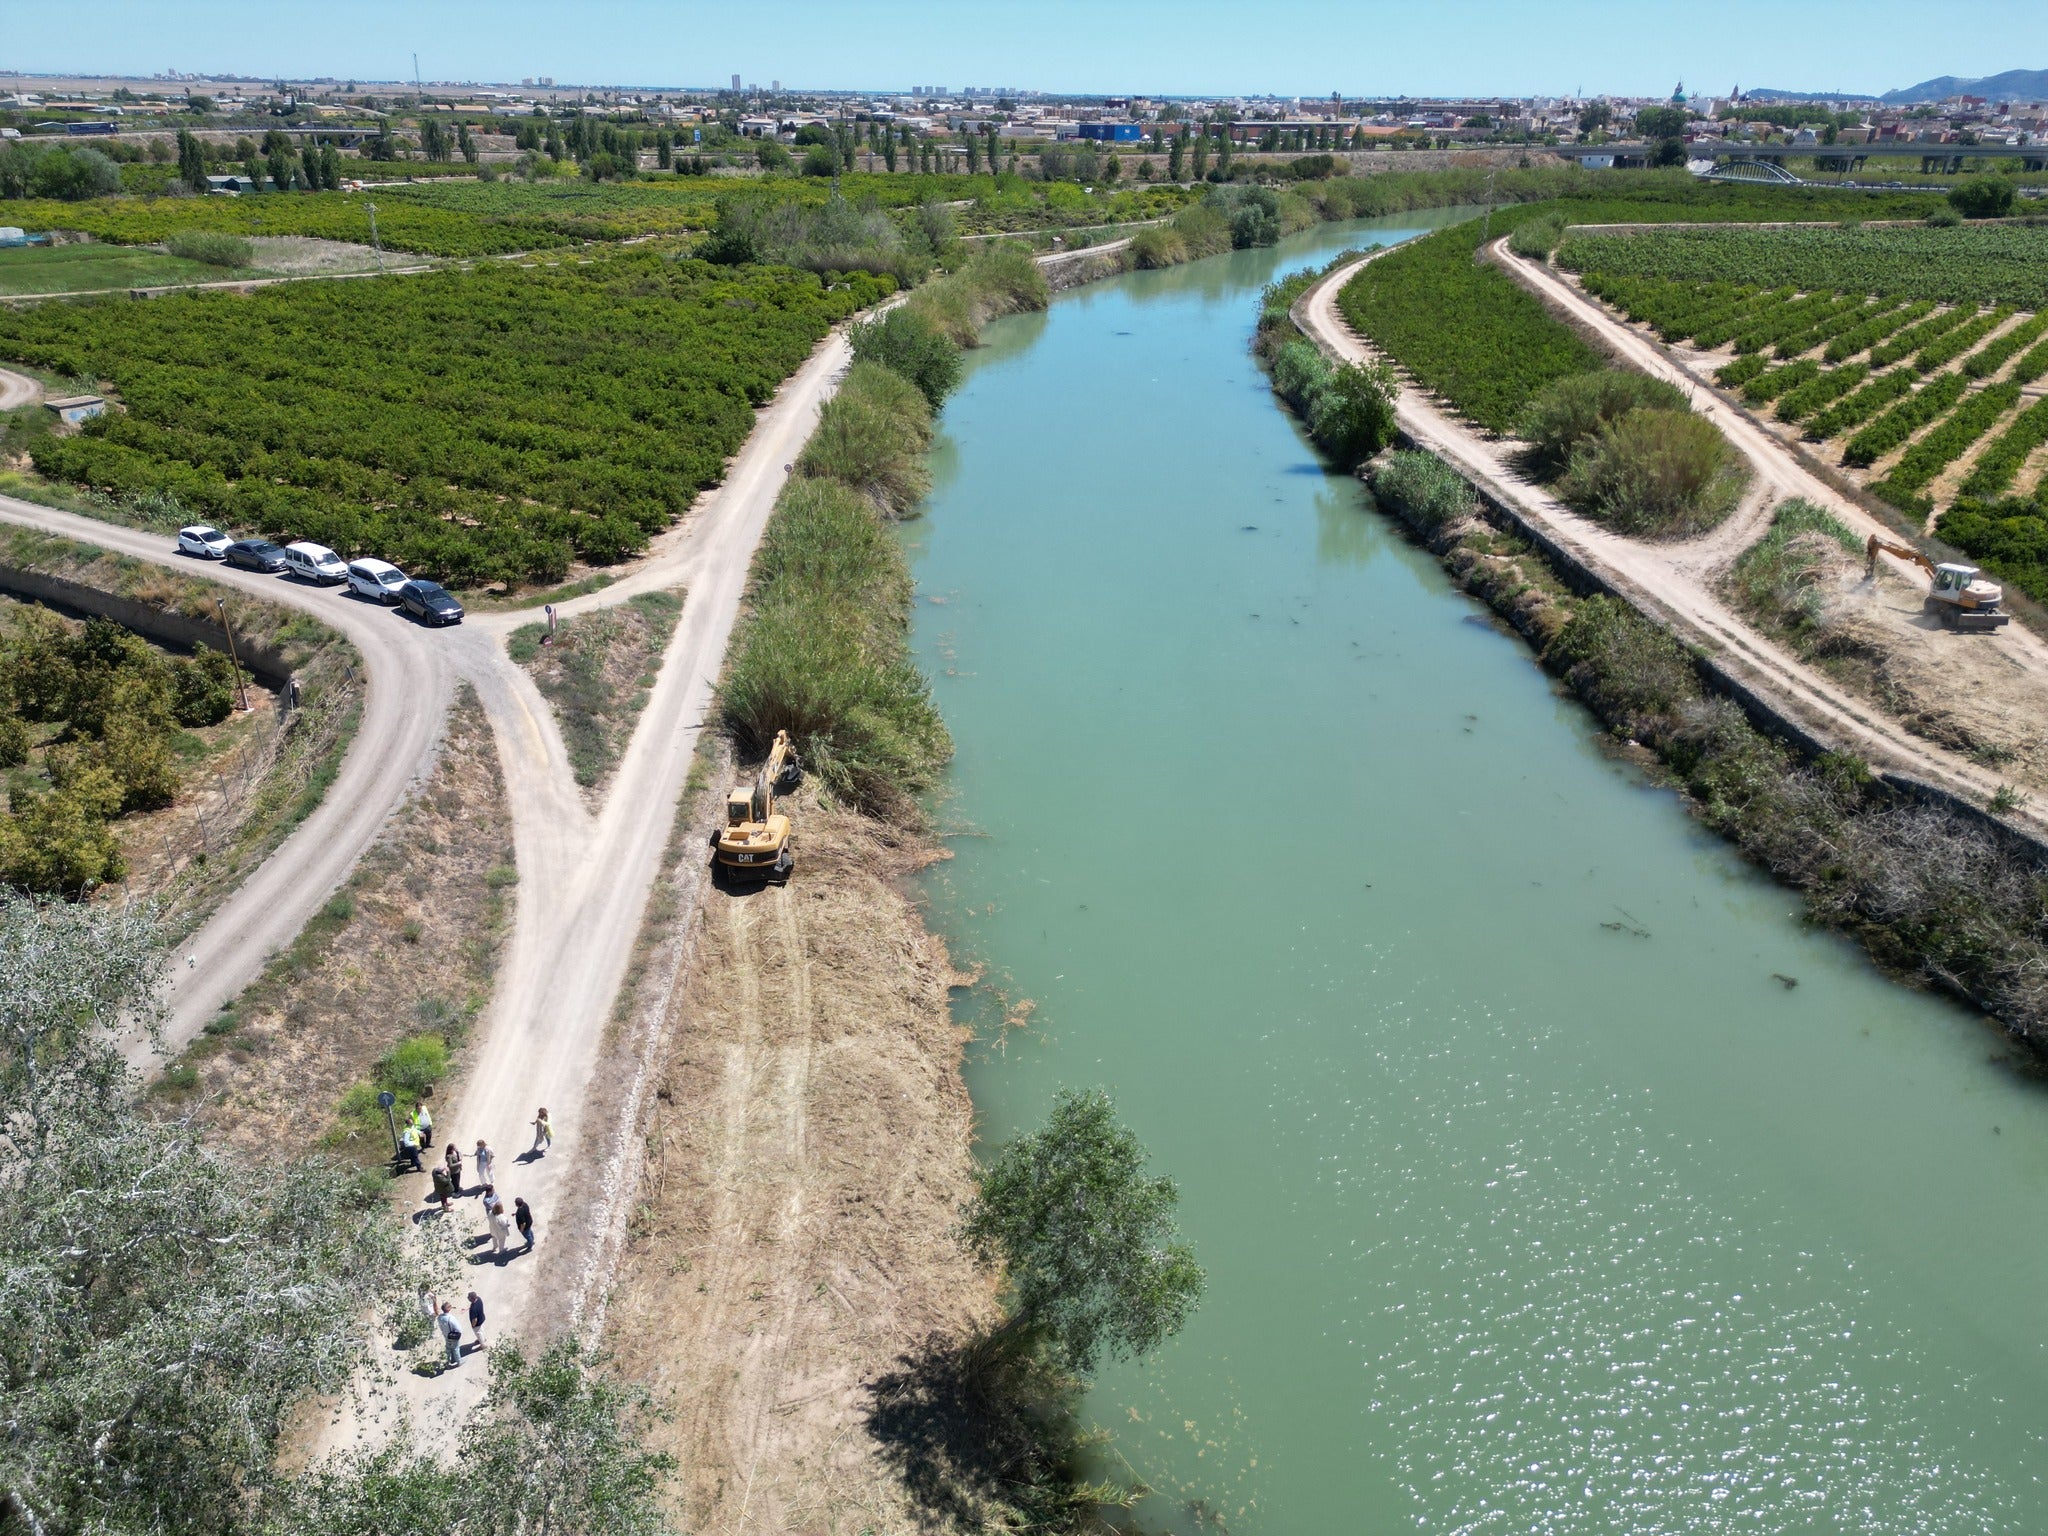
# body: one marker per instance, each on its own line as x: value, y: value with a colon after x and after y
x: 443, y: 1319
x: 502, y: 1224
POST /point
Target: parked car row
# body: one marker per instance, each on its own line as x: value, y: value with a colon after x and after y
x: 378, y: 580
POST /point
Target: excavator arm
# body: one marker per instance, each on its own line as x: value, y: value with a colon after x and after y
x: 1875, y: 546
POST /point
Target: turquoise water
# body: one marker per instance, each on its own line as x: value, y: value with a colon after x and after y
x: 1532, y: 1198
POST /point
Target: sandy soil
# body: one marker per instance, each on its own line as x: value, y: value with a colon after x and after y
x: 417, y: 954
x: 17, y: 390
x: 301, y: 256
x: 1678, y: 581
x: 805, y: 1160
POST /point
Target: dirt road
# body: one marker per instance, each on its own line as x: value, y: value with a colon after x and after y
x: 411, y: 679
x: 17, y: 390
x: 1675, y: 580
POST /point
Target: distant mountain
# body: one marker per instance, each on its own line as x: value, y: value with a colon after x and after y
x: 2013, y: 85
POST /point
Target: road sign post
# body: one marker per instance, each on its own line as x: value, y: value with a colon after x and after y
x: 384, y: 1102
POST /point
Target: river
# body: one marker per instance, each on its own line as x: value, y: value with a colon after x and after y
x: 1549, y: 1174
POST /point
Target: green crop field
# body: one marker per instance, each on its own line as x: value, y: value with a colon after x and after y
x: 486, y: 425
x: 95, y: 268
x: 1968, y: 264
x: 404, y: 222
x: 1476, y: 337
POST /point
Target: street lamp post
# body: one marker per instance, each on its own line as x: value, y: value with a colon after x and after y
x: 241, y: 684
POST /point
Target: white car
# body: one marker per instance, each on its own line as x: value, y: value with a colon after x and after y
x: 207, y: 543
x: 313, y: 562
x: 378, y: 580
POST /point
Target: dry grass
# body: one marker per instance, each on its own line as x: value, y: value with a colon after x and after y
x: 409, y: 945
x: 597, y: 672
x: 806, y: 1160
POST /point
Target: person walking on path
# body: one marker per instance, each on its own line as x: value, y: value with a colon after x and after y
x: 486, y: 1160
x: 476, y: 1318
x: 454, y: 1162
x: 409, y: 1146
x: 451, y: 1332
x: 522, y: 1218
x: 444, y: 1188
x: 423, y: 1118
x: 543, y: 1131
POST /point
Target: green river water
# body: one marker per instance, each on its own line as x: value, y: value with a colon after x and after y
x: 1531, y: 1199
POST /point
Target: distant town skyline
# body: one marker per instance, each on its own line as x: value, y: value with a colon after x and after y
x: 1190, y: 47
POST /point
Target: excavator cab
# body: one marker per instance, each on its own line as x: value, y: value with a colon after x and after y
x: 1955, y: 592
x: 756, y: 838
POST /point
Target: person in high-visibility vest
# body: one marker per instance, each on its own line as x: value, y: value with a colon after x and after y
x: 423, y: 1122
x: 409, y: 1146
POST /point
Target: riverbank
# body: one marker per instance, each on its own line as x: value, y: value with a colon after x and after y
x: 791, y: 1276
x: 1882, y: 835
x: 1506, y: 1147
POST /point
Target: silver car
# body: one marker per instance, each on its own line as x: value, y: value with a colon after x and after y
x: 378, y: 580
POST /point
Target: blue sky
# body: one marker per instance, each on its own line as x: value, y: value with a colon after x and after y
x: 1311, y: 47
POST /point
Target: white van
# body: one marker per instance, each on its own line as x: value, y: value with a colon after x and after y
x: 378, y: 580
x: 314, y: 562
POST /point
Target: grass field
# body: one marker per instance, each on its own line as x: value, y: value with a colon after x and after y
x: 94, y: 268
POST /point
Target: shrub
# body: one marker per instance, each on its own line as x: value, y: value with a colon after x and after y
x: 412, y: 1067
x: 215, y: 250
x: 1635, y: 675
x: 1428, y: 492
x: 1537, y: 237
x: 1204, y: 229
x: 910, y: 344
x: 1944, y: 218
x: 1569, y: 411
x: 824, y: 654
x: 1774, y: 580
x: 1352, y: 416
x: 1982, y: 197
x: 1159, y: 246
x: 1661, y: 473
x: 872, y: 437
x: 1349, y: 409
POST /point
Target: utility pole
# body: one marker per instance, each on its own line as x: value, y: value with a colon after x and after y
x: 233, y: 655
x: 375, y: 244
x: 1486, y: 230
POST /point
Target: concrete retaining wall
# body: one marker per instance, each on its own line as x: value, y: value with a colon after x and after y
x: 160, y: 624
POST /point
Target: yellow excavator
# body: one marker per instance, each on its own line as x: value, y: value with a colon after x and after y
x: 1958, y: 595
x: 755, y: 839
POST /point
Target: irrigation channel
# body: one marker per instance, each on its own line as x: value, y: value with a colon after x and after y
x: 1534, y: 1194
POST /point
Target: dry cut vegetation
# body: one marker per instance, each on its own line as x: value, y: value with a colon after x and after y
x: 807, y: 1161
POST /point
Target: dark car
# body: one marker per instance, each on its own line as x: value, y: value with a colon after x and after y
x: 255, y: 555
x: 429, y: 602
